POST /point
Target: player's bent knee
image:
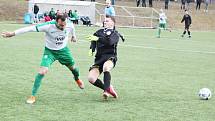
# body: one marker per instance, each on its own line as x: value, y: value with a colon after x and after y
x: 43, y: 70
x: 106, y: 68
x: 91, y: 79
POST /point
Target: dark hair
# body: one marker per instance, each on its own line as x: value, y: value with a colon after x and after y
x: 61, y: 16
x: 112, y: 18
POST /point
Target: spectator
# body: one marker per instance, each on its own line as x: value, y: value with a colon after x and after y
x: 166, y: 4
x: 36, y: 10
x: 109, y: 9
x: 58, y: 12
x: 143, y: 3
x: 46, y: 17
x: 76, y: 17
x: 70, y: 14
x: 52, y: 14
x: 65, y: 13
x: 150, y: 3
x: 113, y: 2
x: 183, y: 4
x: 206, y: 5
x: 198, y: 4
x: 188, y: 4
x: 73, y: 16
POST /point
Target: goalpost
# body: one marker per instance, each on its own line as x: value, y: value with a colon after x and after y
x: 137, y: 17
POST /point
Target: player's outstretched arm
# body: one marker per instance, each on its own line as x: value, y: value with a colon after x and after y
x: 19, y: 31
x: 8, y: 34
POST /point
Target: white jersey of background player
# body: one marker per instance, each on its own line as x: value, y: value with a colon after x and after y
x: 162, y: 17
x: 162, y: 22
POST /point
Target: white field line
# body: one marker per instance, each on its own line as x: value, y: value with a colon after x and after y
x: 166, y: 49
x: 179, y: 38
x: 157, y: 48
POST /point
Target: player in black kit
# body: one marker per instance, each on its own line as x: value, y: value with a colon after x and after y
x: 188, y: 21
x: 104, y: 41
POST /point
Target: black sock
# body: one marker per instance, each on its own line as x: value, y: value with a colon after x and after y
x: 98, y: 83
x: 107, y: 78
x: 184, y: 32
x: 189, y: 33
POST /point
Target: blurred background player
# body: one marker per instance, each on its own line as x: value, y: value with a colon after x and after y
x: 188, y: 21
x: 105, y: 42
x: 162, y: 22
x: 56, y: 40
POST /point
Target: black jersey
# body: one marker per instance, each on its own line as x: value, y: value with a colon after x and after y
x: 187, y: 20
x: 36, y: 9
x: 107, y: 42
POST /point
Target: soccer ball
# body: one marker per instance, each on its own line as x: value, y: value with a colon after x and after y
x: 205, y: 94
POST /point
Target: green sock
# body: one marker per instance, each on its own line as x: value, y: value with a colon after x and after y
x: 159, y: 32
x: 76, y: 74
x: 37, y: 82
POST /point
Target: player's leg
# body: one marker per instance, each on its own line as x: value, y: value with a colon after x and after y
x: 65, y: 57
x: 38, y: 79
x: 93, y: 77
x: 161, y: 26
x: 143, y: 3
x: 138, y: 2
x: 166, y: 27
x: 188, y: 31
x: 37, y: 83
x: 108, y: 88
x: 166, y: 5
x: 197, y: 4
x: 184, y: 31
x: 34, y: 18
x: 76, y: 74
x: 108, y: 65
x: 159, y: 30
x: 47, y: 60
x: 205, y: 7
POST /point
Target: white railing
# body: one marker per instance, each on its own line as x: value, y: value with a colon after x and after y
x: 128, y: 16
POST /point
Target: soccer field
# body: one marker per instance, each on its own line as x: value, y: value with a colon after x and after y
x: 157, y: 79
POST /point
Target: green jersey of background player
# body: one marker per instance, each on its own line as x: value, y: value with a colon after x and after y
x: 56, y: 39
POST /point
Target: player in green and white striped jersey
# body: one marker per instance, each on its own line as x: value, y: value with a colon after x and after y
x: 56, y: 39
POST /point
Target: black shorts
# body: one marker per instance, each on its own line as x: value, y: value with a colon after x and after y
x: 187, y: 27
x: 99, y: 62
